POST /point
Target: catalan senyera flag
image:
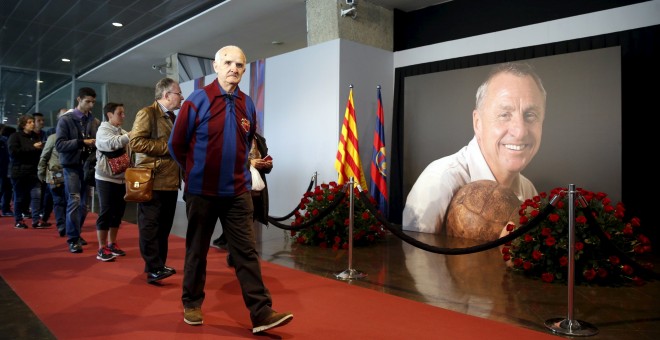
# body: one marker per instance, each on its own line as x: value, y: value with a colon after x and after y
x: 348, y: 155
x: 378, y: 187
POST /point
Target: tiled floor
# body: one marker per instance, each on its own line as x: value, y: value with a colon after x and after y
x: 477, y: 284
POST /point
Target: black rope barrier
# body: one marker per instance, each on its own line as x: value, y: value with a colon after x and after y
x: 397, y: 231
x: 610, y: 247
x: 287, y: 216
x: 323, y: 213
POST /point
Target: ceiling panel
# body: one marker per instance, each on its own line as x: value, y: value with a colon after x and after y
x: 37, y: 34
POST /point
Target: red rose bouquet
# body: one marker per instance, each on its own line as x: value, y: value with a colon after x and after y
x: 332, y: 230
x: 543, y: 252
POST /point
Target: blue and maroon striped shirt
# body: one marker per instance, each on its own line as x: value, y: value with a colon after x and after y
x: 211, y: 141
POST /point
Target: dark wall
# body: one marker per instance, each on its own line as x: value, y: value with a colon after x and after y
x: 465, y: 18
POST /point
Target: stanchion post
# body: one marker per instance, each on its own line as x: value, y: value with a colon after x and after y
x: 568, y: 325
x: 315, y: 178
x: 350, y: 273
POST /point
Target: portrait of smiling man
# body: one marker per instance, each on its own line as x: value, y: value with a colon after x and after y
x: 508, y: 124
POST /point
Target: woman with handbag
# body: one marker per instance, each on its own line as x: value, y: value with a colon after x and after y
x: 112, y: 160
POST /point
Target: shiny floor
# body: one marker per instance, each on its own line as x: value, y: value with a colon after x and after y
x: 477, y: 284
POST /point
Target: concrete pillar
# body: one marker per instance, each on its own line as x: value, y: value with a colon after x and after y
x: 367, y: 24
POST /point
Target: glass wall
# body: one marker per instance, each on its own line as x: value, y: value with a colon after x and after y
x: 28, y: 91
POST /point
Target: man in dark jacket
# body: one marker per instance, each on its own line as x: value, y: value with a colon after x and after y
x: 76, y: 137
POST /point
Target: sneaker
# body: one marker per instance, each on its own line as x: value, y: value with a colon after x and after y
x: 114, y: 248
x: 75, y: 247
x: 21, y: 225
x: 40, y: 225
x: 82, y: 241
x: 105, y: 254
x: 193, y: 316
x: 275, y: 319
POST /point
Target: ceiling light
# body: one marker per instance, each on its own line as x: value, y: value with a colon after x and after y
x: 275, y: 42
x: 40, y: 81
x: 66, y: 60
x: 117, y: 24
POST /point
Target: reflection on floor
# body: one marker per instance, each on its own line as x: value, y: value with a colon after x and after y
x: 477, y: 284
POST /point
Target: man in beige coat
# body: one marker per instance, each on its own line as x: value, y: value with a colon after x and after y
x: 149, y: 135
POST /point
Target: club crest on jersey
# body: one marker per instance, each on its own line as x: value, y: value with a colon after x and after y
x: 245, y: 124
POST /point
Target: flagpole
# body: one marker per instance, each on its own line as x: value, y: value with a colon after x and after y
x: 350, y: 273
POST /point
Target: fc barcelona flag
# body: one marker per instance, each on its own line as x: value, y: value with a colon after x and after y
x: 378, y: 187
x: 348, y: 155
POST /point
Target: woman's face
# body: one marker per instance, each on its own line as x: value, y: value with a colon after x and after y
x: 116, y: 118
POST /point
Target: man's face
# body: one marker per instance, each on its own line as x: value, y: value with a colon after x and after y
x: 38, y: 123
x: 29, y: 126
x: 509, y: 123
x: 230, y: 67
x: 86, y: 103
x: 173, y: 98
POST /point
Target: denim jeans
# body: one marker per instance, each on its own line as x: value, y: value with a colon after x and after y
x: 46, y: 202
x: 27, y: 190
x: 59, y: 205
x: 76, y: 191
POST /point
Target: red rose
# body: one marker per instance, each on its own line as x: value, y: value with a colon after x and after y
x: 579, y: 246
x: 550, y: 241
x: 547, y: 277
x: 537, y: 255
x: 563, y: 261
x: 614, y: 260
x: 517, y: 262
x: 626, y: 269
x: 506, y: 250
x: 589, y: 274
x: 546, y: 232
x: 602, y: 273
x: 527, y: 265
x: 581, y: 220
x: 635, y: 222
x: 553, y: 218
x: 528, y: 238
x: 506, y: 257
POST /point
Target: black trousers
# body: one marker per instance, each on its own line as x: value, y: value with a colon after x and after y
x: 155, y: 220
x: 235, y: 214
x: 111, y: 203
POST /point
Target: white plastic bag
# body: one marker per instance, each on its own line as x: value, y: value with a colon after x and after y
x: 257, y: 183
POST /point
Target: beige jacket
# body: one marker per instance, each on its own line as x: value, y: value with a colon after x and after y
x: 150, y: 147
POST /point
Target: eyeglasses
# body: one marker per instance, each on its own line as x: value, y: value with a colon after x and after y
x: 177, y: 93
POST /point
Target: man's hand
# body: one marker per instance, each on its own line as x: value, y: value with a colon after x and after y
x: 89, y: 142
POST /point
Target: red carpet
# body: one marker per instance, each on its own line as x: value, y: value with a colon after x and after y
x: 79, y: 297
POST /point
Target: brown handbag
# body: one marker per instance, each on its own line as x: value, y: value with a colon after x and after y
x: 139, y: 184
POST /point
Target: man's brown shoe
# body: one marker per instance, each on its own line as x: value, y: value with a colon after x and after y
x: 193, y: 316
x: 275, y: 319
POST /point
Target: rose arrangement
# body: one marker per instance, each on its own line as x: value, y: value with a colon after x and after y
x: 332, y: 230
x: 543, y: 252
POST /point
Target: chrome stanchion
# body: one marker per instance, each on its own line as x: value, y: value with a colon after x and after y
x: 315, y: 177
x: 350, y: 273
x: 568, y: 325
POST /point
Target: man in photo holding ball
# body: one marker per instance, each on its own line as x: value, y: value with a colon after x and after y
x: 507, y: 122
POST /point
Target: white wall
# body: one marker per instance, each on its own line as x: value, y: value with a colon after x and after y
x: 306, y: 95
